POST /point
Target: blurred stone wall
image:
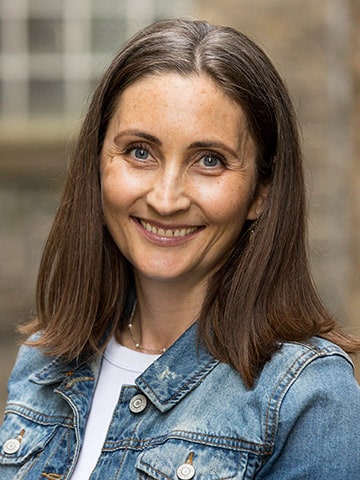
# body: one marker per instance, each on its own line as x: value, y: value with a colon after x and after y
x: 30, y: 183
x: 354, y: 291
x: 310, y: 43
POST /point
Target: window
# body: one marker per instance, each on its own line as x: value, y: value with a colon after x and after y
x: 52, y: 51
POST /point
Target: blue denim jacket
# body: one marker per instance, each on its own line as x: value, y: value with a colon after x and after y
x: 190, y: 417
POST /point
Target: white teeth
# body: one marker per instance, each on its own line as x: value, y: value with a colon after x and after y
x: 182, y: 232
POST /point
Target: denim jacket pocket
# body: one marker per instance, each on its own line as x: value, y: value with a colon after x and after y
x: 181, y: 460
x: 21, y: 439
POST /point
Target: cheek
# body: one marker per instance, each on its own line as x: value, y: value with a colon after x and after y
x: 111, y: 194
x: 118, y: 190
x: 229, y: 203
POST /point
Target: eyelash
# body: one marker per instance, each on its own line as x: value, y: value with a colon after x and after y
x: 135, y: 146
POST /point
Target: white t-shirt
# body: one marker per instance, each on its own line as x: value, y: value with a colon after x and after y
x: 120, y: 366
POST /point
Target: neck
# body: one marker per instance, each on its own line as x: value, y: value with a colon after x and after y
x: 162, y: 314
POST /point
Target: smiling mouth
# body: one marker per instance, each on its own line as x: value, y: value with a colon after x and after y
x: 168, y: 233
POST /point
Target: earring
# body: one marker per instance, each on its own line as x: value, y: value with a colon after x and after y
x: 252, y: 229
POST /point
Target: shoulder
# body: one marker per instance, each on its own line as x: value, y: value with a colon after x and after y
x: 313, y: 348
x: 309, y: 366
x: 315, y: 376
x: 36, y: 379
x: 29, y: 360
x: 293, y: 357
x: 34, y: 370
x: 312, y: 408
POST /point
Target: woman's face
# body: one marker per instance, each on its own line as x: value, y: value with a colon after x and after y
x: 178, y: 176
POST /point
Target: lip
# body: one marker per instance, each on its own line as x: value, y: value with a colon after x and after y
x: 166, y: 234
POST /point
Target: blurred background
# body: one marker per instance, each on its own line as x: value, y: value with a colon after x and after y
x: 51, y: 54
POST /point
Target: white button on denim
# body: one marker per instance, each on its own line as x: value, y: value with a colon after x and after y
x: 185, y: 471
x: 11, y: 446
x: 138, y: 403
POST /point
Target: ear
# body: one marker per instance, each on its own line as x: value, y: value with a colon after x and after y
x: 258, y: 202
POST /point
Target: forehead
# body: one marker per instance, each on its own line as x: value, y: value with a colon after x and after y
x: 192, y: 102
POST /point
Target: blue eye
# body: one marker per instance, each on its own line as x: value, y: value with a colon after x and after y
x: 211, y: 161
x: 140, y: 153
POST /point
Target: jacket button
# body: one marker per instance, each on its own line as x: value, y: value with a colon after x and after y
x: 185, y: 471
x: 138, y: 403
x: 11, y: 446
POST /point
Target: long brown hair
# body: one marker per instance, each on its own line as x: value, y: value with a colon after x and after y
x: 264, y: 293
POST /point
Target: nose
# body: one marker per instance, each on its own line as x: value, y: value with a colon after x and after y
x: 168, y: 192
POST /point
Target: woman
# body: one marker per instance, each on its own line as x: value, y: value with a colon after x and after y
x: 179, y: 334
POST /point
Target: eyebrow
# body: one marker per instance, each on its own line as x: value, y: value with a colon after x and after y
x: 140, y: 134
x: 214, y: 145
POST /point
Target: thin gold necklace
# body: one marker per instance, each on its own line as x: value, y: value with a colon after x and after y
x: 137, y: 345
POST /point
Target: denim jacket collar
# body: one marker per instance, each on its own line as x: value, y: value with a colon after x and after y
x: 177, y: 372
